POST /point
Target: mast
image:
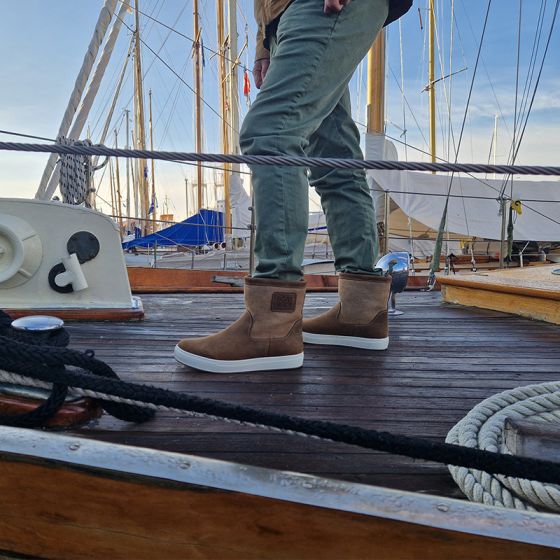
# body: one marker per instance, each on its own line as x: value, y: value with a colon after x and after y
x: 431, y: 82
x: 222, y: 76
x: 153, y: 168
x: 187, y: 196
x: 376, y: 126
x: 127, y: 145
x: 198, y: 104
x: 233, y: 126
x: 118, y: 177
x: 112, y: 187
x: 140, y: 122
x: 376, y: 86
x: 495, y: 150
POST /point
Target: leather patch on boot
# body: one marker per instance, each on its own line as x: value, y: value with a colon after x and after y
x: 285, y: 302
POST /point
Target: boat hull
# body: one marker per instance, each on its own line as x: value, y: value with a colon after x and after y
x: 68, y: 497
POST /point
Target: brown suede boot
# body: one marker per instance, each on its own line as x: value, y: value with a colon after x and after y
x: 359, y: 319
x: 266, y: 337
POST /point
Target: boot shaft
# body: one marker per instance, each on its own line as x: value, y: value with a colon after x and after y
x: 362, y: 297
x: 274, y: 305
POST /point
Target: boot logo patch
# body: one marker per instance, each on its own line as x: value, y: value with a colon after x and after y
x: 284, y: 302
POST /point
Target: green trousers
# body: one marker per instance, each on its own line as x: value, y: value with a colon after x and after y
x: 303, y: 109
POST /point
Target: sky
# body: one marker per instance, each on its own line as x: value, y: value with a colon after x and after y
x: 43, y: 43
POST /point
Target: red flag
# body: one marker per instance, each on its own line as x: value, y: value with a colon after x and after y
x: 246, y: 84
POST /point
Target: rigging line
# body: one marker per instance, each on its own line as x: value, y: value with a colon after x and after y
x: 442, y: 79
x: 109, y: 88
x: 171, y: 93
x: 241, y: 11
x: 159, y: 4
x: 172, y: 29
x: 542, y: 214
x: 174, y: 92
x: 167, y: 126
x: 402, y: 89
x: 84, y: 149
x: 473, y: 177
x: 533, y: 59
x: 179, y: 78
x: 159, y: 50
x: 282, y: 160
x: 97, y: 195
x: 422, y: 67
x: 409, y: 107
x: 515, y: 110
x: 525, y: 112
x: 145, y: 31
x: 443, y: 160
x: 212, y: 167
x: 11, y: 133
x: 537, y: 81
x: 472, y: 84
x: 443, y: 222
x: 451, y: 132
x: 467, y: 196
x: 485, y: 68
x: 451, y: 45
x: 111, y: 112
x: 110, y: 85
x: 114, y: 77
x: 491, y: 145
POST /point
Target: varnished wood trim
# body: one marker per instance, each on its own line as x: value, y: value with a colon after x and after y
x: 170, y: 280
x: 71, y: 414
x: 54, y: 512
x: 499, y: 288
x: 540, y: 308
x: 135, y: 500
x: 85, y: 314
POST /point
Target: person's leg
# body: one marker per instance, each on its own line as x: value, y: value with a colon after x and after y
x: 359, y: 319
x: 313, y: 58
x: 345, y: 196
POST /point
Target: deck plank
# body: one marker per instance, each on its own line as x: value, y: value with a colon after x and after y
x: 443, y: 359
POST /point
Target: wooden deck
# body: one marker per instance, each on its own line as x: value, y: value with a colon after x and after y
x: 441, y: 362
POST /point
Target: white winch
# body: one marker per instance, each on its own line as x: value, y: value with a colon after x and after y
x: 59, y: 257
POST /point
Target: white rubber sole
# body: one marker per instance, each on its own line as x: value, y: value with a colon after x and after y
x: 237, y: 366
x: 352, y: 341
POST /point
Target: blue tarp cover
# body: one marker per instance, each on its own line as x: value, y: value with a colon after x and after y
x: 201, y: 229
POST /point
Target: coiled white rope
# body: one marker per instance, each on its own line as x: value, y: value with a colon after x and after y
x: 75, y: 174
x: 483, y: 427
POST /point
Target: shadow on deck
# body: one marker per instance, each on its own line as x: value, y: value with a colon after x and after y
x: 442, y: 361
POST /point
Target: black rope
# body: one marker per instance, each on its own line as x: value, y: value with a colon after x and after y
x: 47, y: 364
x: 46, y: 410
x: 28, y: 362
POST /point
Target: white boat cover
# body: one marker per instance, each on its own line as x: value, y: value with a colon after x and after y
x: 472, y: 217
x: 240, y: 207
